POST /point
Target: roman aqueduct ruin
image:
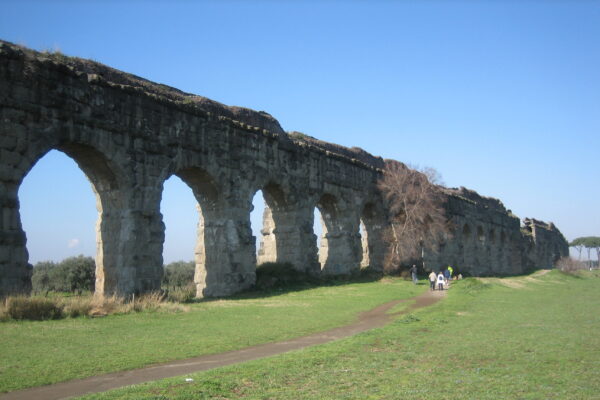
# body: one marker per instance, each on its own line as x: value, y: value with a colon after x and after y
x: 129, y: 135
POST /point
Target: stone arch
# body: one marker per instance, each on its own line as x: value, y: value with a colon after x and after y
x: 466, y: 232
x: 288, y: 220
x: 202, y: 184
x: 106, y: 186
x: 274, y: 245
x: 106, y: 181
x: 492, y: 236
x: 372, y: 245
x: 211, y: 232
x: 328, y: 207
x: 480, y: 235
x: 466, y: 247
x: 340, y: 248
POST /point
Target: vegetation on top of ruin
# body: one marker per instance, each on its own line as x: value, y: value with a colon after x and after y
x: 103, y: 72
x: 352, y: 153
x: 473, y: 197
x: 243, y: 117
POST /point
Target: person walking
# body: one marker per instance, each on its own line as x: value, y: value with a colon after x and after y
x: 451, y: 271
x: 446, y: 276
x: 440, y: 281
x: 413, y: 273
x: 432, y: 280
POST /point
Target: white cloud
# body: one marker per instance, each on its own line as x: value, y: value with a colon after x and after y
x: 73, y: 243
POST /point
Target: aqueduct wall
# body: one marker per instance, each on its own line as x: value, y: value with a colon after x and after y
x: 129, y: 135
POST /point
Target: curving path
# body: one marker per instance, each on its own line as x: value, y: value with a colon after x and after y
x: 374, y: 318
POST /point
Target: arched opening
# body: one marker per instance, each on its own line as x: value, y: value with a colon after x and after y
x: 480, y: 235
x: 57, y: 209
x: 466, y: 232
x: 277, y: 240
x: 328, y: 209
x: 365, y: 259
x: 318, y: 229
x: 58, y: 214
x: 369, y: 223
x: 465, y: 247
x: 263, y: 229
x: 271, y: 225
x: 181, y: 215
x: 209, y: 246
x: 70, y: 232
x: 492, y: 236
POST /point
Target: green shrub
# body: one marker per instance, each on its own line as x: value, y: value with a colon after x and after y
x: 73, y: 274
x: 32, y: 308
x: 179, y: 274
x: 185, y: 294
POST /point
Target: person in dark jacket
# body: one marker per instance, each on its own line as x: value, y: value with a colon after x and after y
x: 446, y: 276
x: 413, y: 273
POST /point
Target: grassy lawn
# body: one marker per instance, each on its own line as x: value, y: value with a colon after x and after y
x: 520, y: 338
x: 34, y: 353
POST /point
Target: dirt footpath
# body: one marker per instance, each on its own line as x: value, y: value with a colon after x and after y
x: 374, y: 318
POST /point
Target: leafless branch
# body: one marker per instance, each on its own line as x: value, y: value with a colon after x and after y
x: 417, y: 214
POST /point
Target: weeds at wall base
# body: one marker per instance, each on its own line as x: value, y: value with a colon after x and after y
x: 37, y: 308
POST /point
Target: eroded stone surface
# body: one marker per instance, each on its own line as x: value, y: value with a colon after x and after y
x: 129, y: 135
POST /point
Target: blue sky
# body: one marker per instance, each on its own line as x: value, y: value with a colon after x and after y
x: 502, y: 97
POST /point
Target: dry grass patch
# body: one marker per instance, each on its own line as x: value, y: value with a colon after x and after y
x: 39, y: 308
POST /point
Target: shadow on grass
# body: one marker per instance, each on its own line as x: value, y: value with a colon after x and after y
x: 275, y: 279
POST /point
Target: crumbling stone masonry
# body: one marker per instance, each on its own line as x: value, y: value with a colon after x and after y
x: 487, y: 239
x: 129, y: 135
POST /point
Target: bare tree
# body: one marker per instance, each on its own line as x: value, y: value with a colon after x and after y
x: 417, y: 213
x: 568, y: 264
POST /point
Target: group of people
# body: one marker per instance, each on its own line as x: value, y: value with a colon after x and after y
x: 440, y: 279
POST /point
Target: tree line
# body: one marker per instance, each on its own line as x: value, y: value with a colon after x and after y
x: 78, y: 275
x: 589, y: 243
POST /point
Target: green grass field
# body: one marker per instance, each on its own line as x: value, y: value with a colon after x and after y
x: 34, y: 353
x: 534, y: 337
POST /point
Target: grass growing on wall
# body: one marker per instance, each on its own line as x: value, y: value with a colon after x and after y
x: 531, y: 337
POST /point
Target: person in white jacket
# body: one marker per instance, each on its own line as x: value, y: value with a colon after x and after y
x: 440, y: 281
